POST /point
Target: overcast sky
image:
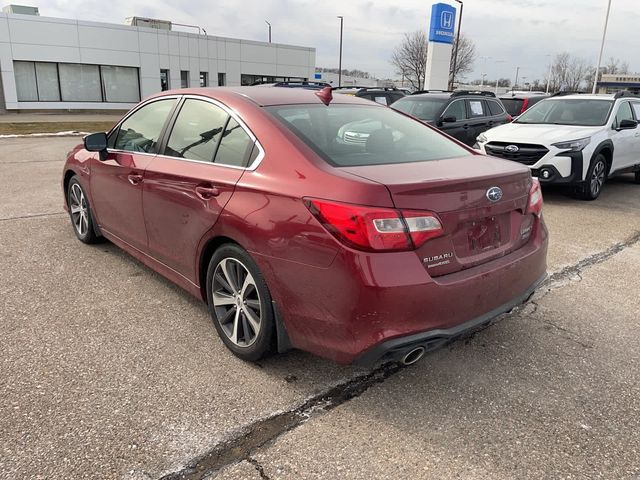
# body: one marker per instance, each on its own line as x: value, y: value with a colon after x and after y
x: 519, y: 32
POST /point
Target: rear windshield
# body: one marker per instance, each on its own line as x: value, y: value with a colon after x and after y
x: 424, y: 108
x: 513, y: 106
x: 353, y: 135
x: 583, y: 112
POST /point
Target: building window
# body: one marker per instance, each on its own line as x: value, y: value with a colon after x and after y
x: 164, y: 79
x: 247, y: 79
x: 222, y: 79
x: 120, y: 84
x: 184, y: 78
x: 204, y: 79
x: 74, y: 82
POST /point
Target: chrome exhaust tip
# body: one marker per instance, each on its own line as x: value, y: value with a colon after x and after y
x: 412, y: 356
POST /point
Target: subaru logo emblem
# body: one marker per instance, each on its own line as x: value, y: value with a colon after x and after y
x: 494, y: 194
x: 511, y: 148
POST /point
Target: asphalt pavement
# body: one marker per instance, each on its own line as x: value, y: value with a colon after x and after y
x: 108, y: 371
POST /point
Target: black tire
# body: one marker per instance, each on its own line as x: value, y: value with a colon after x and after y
x: 237, y: 330
x: 80, y: 212
x: 596, y: 177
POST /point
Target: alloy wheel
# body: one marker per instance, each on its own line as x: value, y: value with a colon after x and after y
x: 597, y: 178
x: 236, y: 301
x: 79, y: 210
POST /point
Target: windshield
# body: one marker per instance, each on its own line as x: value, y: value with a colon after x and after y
x: 587, y: 112
x: 353, y: 135
x: 426, y: 109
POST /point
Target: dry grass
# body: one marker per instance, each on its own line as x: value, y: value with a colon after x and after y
x: 22, y: 128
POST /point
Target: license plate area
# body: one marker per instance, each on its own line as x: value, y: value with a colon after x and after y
x: 484, y: 234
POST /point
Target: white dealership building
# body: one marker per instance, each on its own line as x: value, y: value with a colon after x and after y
x: 61, y: 64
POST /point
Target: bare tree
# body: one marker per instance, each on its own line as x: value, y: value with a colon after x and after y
x: 568, y: 73
x: 410, y: 58
x: 465, y: 60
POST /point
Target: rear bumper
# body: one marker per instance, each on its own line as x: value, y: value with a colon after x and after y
x: 395, y: 348
x: 363, y: 301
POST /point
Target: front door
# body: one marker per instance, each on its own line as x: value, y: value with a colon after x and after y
x: 187, y: 187
x: 116, y: 182
x: 627, y: 141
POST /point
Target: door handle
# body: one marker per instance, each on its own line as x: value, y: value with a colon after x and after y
x: 206, y: 193
x: 135, y: 178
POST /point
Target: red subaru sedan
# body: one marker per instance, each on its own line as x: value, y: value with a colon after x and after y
x: 298, y: 234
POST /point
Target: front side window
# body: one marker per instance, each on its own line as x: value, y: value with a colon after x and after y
x: 636, y: 109
x: 624, y: 113
x: 353, y: 135
x: 583, y: 112
x: 197, y: 131
x: 423, y: 108
x: 141, y: 131
x: 456, y: 109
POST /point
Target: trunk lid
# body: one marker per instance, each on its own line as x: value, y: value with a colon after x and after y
x: 476, y: 229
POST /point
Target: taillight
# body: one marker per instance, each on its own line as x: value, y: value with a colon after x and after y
x: 535, y: 198
x: 509, y: 118
x: 525, y: 104
x: 375, y: 229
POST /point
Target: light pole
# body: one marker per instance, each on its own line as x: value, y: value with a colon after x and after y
x: 604, y: 34
x: 455, y: 55
x: 485, y: 69
x: 548, y: 74
x: 340, y: 60
x: 482, y: 80
x: 269, y: 30
x: 515, y: 84
x: 498, y: 74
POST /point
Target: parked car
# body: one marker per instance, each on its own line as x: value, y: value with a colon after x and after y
x: 245, y: 197
x: 293, y: 84
x: 462, y: 114
x: 574, y: 140
x: 515, y: 103
x: 383, y: 95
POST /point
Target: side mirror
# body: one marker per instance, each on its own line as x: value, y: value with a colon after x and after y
x: 449, y: 119
x: 627, y: 124
x: 96, y: 142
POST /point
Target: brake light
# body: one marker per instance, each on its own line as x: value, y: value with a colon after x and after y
x: 375, y: 229
x: 509, y: 118
x: 525, y: 104
x: 535, y: 198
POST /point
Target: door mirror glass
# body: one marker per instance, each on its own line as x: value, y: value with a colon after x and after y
x: 449, y: 119
x: 96, y: 142
x: 627, y: 124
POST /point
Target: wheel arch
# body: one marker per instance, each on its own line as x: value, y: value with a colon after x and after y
x: 606, y: 148
x: 68, y: 174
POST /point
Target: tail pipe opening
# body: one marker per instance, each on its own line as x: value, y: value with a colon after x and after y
x: 412, y: 356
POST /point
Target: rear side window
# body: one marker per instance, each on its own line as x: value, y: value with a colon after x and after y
x: 495, y: 108
x: 141, y: 131
x: 235, y: 146
x: 353, y: 135
x: 476, y: 108
x: 197, y: 131
x: 423, y: 108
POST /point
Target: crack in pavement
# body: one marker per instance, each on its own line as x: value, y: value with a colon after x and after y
x: 35, y: 215
x: 259, y: 468
x: 242, y: 444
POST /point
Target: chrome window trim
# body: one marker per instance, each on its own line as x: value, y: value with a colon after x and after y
x: 228, y: 110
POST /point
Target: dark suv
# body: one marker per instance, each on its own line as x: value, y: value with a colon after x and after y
x: 515, y: 103
x: 383, y: 95
x: 462, y: 114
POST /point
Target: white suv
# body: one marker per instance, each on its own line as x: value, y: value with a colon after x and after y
x: 577, y: 140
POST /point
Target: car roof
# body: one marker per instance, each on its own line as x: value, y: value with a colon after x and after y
x: 265, y: 96
x: 582, y: 96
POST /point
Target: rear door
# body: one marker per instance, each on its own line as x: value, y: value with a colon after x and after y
x: 460, y: 128
x: 116, y: 182
x: 625, y: 142
x: 187, y: 186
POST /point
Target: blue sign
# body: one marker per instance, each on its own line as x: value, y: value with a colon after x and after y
x: 443, y: 23
x: 317, y: 76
